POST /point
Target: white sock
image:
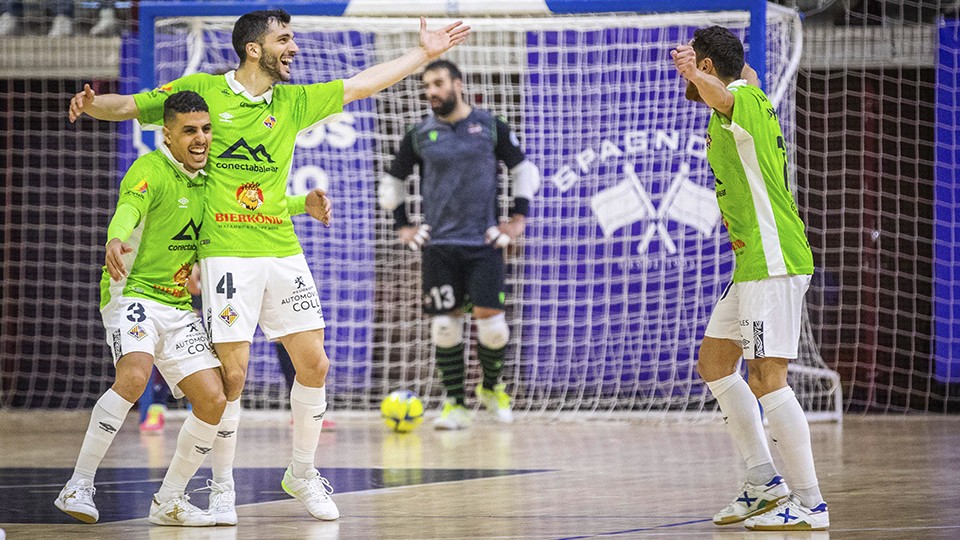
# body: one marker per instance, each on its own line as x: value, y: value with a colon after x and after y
x: 225, y: 445
x: 791, y: 433
x: 105, y: 421
x: 193, y: 444
x: 308, y: 405
x: 742, y: 415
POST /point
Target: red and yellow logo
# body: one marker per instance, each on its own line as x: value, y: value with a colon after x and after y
x: 250, y: 196
x: 167, y: 88
x: 141, y: 187
x: 182, y: 275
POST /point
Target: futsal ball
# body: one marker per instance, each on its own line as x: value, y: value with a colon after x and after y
x: 402, y: 411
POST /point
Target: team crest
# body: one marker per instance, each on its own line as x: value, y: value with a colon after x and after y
x: 182, y: 275
x: 270, y: 121
x: 229, y: 315
x: 138, y: 332
x: 250, y: 196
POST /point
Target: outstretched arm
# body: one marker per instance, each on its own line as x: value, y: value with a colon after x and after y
x: 112, y: 107
x: 712, y: 90
x: 432, y: 45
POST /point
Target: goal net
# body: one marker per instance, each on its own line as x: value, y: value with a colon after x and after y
x: 624, y: 255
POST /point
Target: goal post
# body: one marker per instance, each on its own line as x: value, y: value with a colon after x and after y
x: 624, y: 256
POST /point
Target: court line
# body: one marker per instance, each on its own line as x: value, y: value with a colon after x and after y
x: 641, y: 529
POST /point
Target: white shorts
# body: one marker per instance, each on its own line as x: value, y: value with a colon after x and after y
x: 763, y: 316
x: 239, y: 292
x: 174, y: 337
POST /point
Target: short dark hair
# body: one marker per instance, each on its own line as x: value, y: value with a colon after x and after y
x: 722, y: 47
x: 451, y: 68
x: 183, y: 102
x: 251, y: 28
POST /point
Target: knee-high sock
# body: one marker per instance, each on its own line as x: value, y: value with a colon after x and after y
x: 491, y: 360
x: 105, y: 420
x: 194, y: 442
x: 742, y: 416
x: 450, y: 364
x: 308, y: 405
x: 791, y: 433
x: 225, y: 445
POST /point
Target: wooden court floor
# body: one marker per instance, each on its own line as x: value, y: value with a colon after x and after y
x: 882, y: 477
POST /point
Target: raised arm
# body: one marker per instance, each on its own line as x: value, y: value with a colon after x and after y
x: 432, y: 45
x: 112, y: 107
x: 750, y: 75
x: 712, y: 90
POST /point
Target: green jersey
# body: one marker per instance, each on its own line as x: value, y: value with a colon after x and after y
x: 749, y: 160
x: 166, y: 203
x: 246, y: 214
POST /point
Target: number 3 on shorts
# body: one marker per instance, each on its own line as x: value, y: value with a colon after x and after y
x: 226, y: 285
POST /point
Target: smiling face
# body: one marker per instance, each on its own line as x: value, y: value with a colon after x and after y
x: 188, y: 137
x: 277, y: 51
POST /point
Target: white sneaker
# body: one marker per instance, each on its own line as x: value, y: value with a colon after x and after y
x: 314, y: 492
x: 496, y: 402
x: 9, y: 25
x: 77, y: 501
x: 62, y: 26
x: 107, y: 25
x: 179, y: 512
x: 791, y: 515
x: 223, y: 502
x: 453, y: 416
x: 753, y: 499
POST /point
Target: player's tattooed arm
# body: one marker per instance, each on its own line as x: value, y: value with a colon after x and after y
x: 112, y: 107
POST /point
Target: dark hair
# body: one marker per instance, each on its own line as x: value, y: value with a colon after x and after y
x: 183, y: 102
x: 251, y: 28
x: 451, y: 68
x: 722, y: 47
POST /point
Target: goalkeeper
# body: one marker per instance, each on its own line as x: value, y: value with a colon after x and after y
x: 758, y: 316
x: 458, y: 150
x: 253, y: 268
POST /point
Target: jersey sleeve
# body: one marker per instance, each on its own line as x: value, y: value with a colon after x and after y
x: 750, y: 109
x: 136, y: 193
x: 405, y: 158
x: 150, y: 104
x: 508, y: 146
x: 318, y: 101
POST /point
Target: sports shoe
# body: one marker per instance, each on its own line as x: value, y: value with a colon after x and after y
x: 107, y: 24
x: 153, y: 423
x: 62, y: 26
x: 791, y: 515
x: 453, y: 416
x: 753, y: 499
x: 77, y: 501
x: 9, y: 25
x: 313, y: 491
x: 223, y: 502
x: 496, y: 401
x: 179, y: 512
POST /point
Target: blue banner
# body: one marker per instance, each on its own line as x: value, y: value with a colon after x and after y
x: 946, y: 245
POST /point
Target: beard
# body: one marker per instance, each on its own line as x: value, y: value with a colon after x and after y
x: 270, y: 65
x: 446, y: 106
x: 693, y: 93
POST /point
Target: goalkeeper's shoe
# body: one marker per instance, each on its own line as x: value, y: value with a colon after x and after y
x: 496, y: 401
x: 752, y: 500
x: 77, y: 501
x: 153, y: 423
x: 453, y: 416
x: 791, y: 515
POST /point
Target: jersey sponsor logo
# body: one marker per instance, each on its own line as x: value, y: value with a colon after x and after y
x: 138, y: 332
x: 226, y: 118
x: 243, y: 151
x: 270, y: 122
x: 229, y: 315
x: 183, y: 202
x: 190, y: 231
x: 299, y: 282
x: 474, y: 129
x: 433, y: 134
x: 250, y: 196
x: 182, y: 275
x: 140, y: 189
x: 738, y: 244
x: 176, y: 293
x: 258, y: 219
x: 194, y: 344
x: 167, y: 88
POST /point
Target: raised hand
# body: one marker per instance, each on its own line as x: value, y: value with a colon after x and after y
x: 318, y: 205
x: 414, y: 237
x: 114, y: 261
x: 685, y: 58
x: 79, y: 101
x: 440, y: 41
